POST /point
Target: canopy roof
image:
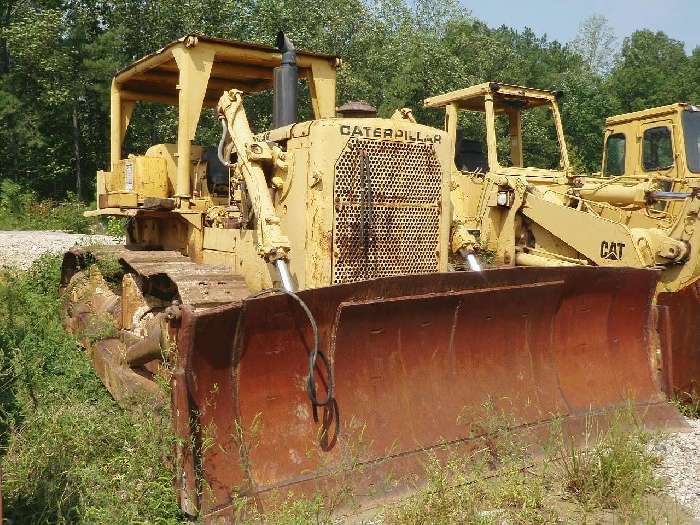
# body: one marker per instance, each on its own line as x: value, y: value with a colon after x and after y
x: 647, y: 113
x: 506, y: 96
x: 195, y: 70
x: 240, y: 65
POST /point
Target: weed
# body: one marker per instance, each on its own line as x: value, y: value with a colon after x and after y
x: 291, y: 510
x: 490, y: 484
x: 108, y: 266
x: 99, y: 328
x: 247, y: 440
x: 116, y: 227
x: 20, y: 209
x: 71, y: 455
x: 500, y: 482
x: 688, y: 403
x: 521, y: 494
x: 615, y: 469
x: 450, y: 496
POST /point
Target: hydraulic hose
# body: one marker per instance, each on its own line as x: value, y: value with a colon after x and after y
x: 220, y: 149
x: 314, y: 355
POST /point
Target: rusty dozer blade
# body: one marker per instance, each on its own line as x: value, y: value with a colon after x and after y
x: 412, y: 360
x: 679, y: 329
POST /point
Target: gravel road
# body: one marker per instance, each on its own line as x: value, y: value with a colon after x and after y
x: 680, y: 464
x: 680, y: 451
x: 21, y: 248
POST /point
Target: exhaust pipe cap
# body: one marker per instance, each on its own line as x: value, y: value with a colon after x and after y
x: 287, y: 47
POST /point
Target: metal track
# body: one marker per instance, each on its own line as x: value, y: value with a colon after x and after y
x: 128, y: 360
x: 165, y: 273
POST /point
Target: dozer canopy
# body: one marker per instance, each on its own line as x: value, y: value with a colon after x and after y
x: 495, y: 99
x: 191, y: 73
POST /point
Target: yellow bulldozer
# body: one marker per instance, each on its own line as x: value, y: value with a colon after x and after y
x: 640, y: 211
x: 299, y: 287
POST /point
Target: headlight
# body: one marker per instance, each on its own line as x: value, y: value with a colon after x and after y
x: 504, y: 198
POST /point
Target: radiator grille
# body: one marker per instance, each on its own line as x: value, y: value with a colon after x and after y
x: 387, y: 203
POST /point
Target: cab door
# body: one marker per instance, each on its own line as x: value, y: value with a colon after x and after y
x: 616, y: 153
x: 658, y: 159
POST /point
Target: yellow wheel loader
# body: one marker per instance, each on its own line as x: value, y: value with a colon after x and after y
x: 293, y: 285
x: 641, y: 211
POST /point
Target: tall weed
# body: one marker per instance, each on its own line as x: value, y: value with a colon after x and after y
x: 500, y: 482
x: 70, y: 454
x: 688, y: 403
x: 615, y: 470
x: 20, y: 209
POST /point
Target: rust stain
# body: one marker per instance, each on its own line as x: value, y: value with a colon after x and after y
x: 681, y: 334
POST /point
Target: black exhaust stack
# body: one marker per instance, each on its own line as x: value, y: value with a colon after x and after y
x: 285, y: 81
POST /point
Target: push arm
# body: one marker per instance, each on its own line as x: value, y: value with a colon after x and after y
x: 273, y: 244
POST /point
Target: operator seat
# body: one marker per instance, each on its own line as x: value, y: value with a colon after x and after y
x: 217, y: 173
x: 470, y: 156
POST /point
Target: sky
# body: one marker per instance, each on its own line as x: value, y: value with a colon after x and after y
x: 559, y: 19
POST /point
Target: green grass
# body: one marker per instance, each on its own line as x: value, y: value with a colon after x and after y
x: 70, y: 454
x: 688, y: 403
x: 451, y: 496
x: 616, y: 470
x: 290, y: 511
x: 494, y: 483
x: 610, y: 481
x: 21, y: 209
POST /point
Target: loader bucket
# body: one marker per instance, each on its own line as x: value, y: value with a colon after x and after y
x: 679, y: 327
x: 414, y: 360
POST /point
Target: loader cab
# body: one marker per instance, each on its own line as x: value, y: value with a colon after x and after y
x: 486, y: 126
x: 191, y: 74
x: 661, y: 143
x: 658, y: 146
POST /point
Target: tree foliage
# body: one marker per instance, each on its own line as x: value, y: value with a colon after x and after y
x: 595, y: 43
x: 57, y: 59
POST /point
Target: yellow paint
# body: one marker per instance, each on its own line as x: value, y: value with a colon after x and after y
x: 282, y: 202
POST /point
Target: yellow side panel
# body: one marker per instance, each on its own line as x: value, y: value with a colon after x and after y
x: 151, y: 177
x: 236, y: 249
x: 223, y: 240
x: 168, y: 152
x: 145, y: 176
x: 118, y: 200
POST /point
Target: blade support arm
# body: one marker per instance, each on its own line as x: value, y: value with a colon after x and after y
x: 273, y: 244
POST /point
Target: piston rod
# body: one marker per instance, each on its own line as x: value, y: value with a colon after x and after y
x: 473, y: 262
x: 669, y: 195
x: 283, y: 270
x: 471, y: 259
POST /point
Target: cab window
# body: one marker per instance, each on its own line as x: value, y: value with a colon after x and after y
x: 657, y: 150
x: 615, y: 155
x: 691, y: 133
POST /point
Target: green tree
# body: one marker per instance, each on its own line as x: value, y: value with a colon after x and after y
x: 595, y: 43
x: 57, y: 60
x: 652, y: 70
